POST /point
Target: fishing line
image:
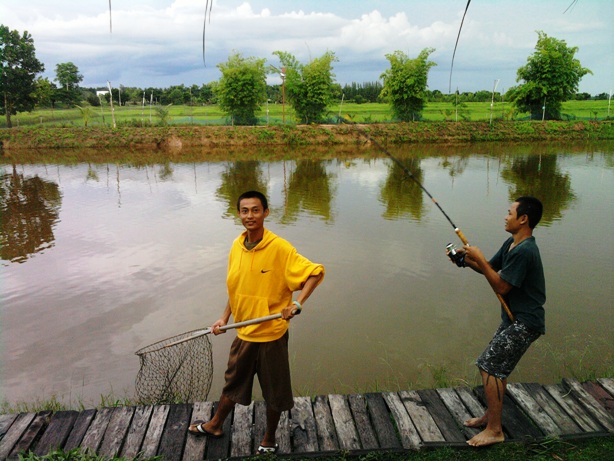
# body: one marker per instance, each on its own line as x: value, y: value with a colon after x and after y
x: 433, y: 199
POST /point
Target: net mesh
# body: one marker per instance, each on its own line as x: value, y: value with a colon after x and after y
x: 175, y: 372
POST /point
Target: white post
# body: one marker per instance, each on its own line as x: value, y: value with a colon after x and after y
x: 492, y: 101
x: 111, y: 99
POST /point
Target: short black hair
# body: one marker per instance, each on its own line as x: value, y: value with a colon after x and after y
x: 532, y: 207
x: 253, y: 194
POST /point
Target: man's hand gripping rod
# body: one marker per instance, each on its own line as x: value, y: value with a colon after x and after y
x: 501, y: 300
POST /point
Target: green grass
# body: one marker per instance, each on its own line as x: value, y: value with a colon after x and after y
x: 360, y: 113
x: 594, y: 449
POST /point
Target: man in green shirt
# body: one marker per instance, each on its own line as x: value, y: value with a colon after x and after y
x: 516, y: 273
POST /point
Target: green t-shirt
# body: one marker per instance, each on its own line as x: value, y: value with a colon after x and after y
x: 522, y: 268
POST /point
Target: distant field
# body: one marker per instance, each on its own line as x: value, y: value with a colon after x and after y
x: 362, y: 113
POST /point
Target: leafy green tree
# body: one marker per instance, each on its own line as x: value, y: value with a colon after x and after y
x: 405, y: 83
x: 242, y: 88
x: 68, y: 77
x: 309, y: 87
x: 45, y: 92
x: 18, y: 69
x: 551, y: 76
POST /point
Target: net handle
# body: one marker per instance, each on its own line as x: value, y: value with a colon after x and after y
x: 230, y: 326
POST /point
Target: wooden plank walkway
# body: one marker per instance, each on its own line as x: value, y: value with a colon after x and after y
x: 326, y: 424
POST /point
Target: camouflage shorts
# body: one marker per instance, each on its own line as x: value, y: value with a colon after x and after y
x: 504, y: 351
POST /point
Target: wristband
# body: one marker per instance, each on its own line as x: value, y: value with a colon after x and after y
x: 297, y: 304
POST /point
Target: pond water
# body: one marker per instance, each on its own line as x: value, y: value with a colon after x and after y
x: 99, y: 260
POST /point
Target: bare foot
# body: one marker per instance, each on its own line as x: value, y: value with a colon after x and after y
x: 486, y: 437
x: 477, y: 422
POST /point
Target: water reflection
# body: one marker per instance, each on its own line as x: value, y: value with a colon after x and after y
x: 237, y: 178
x: 310, y: 190
x: 540, y: 176
x: 402, y: 196
x: 29, y: 209
x: 141, y: 248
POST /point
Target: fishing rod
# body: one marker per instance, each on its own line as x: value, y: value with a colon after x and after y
x: 433, y: 199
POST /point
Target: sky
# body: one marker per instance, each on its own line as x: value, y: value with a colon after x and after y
x: 159, y: 43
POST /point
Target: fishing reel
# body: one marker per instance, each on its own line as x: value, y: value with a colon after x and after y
x: 454, y: 255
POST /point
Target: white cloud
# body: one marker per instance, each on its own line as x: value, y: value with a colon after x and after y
x: 159, y: 42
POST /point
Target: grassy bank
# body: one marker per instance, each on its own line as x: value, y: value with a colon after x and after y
x: 175, y: 137
x: 552, y: 449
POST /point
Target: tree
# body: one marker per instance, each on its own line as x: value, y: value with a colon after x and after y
x: 68, y: 76
x: 242, y: 88
x: 18, y: 69
x: 405, y: 83
x: 309, y: 87
x: 551, y: 76
x: 45, y: 92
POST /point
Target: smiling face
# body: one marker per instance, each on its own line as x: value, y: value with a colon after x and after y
x: 252, y: 215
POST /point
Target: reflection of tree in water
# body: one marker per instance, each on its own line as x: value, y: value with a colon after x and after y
x: 539, y: 175
x: 166, y: 172
x: 29, y: 208
x: 455, y: 166
x: 400, y: 194
x: 309, y: 189
x: 240, y: 177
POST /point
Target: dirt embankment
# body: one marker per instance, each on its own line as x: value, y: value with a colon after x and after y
x: 175, y: 138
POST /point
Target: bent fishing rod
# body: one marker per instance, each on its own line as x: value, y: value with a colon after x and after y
x: 433, y: 199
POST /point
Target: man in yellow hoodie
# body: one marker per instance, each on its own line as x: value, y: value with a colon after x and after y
x: 264, y: 271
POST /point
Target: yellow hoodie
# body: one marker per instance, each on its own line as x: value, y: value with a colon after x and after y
x: 261, y: 282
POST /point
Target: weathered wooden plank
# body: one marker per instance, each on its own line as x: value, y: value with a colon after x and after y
x: 79, y: 428
x: 31, y: 434
x: 219, y: 448
x: 93, y: 437
x: 380, y: 416
x: 442, y: 417
x: 242, y: 431
x: 553, y: 409
x: 175, y: 432
x: 607, y: 384
x: 149, y: 448
x: 457, y: 409
x: 5, y: 423
x: 422, y: 419
x: 516, y: 425
x: 325, y: 426
x: 344, y: 422
x: 136, y: 432
x: 259, y: 424
x: 405, y: 427
x: 303, y: 426
x: 195, y: 445
x: 576, y: 411
x: 14, y: 433
x: 358, y: 406
x: 601, y: 395
x: 282, y: 434
x: 475, y: 408
x: 57, y: 432
x: 116, y: 431
x: 589, y: 402
x: 530, y: 406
